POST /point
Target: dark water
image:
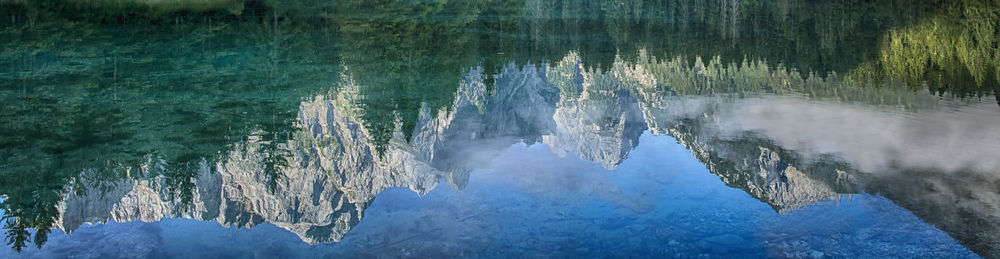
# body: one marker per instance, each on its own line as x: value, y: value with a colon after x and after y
x: 681, y: 128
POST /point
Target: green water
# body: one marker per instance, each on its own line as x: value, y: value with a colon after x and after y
x: 94, y: 93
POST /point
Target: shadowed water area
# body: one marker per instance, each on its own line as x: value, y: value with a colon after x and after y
x: 342, y: 128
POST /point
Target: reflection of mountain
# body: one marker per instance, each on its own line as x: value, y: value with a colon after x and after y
x: 764, y: 171
x: 938, y: 162
x: 595, y: 118
x: 331, y: 168
x: 106, y: 104
x: 75, y: 99
x: 794, y: 153
x: 330, y: 175
x: 964, y: 204
x: 791, y: 154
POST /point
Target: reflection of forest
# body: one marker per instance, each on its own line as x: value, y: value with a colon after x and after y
x: 917, y: 41
x: 597, y: 116
x: 110, y: 88
x: 763, y: 45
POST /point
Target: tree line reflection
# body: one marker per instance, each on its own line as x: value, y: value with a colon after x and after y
x: 84, y: 83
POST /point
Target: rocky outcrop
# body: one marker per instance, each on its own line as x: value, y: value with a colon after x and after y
x: 481, y: 125
x: 330, y: 169
x: 764, y: 171
x: 596, y: 118
x: 318, y: 182
x: 330, y: 174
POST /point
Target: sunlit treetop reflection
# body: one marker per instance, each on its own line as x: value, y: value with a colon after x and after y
x: 145, y: 89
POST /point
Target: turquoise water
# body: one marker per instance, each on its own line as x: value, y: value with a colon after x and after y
x: 276, y: 129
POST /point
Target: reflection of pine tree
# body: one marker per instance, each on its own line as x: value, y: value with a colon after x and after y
x: 17, y: 233
x: 74, y: 123
x: 405, y: 55
x: 206, y: 94
x: 955, y: 52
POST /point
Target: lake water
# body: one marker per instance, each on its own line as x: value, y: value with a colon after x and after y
x: 674, y: 128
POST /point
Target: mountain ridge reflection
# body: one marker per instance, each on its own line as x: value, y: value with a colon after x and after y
x: 147, y: 119
x: 335, y: 167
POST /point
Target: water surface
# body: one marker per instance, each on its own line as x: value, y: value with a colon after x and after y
x: 451, y: 129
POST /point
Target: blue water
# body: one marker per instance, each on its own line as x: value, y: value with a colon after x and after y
x: 354, y: 128
x: 662, y: 202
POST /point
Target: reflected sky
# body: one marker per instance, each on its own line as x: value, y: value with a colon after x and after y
x: 530, y: 201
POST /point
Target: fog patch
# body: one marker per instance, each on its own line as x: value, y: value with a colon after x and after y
x: 950, y: 139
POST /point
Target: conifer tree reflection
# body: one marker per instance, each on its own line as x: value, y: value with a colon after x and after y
x: 405, y: 55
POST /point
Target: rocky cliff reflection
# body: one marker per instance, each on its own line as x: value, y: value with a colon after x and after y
x: 788, y: 152
x: 302, y: 118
